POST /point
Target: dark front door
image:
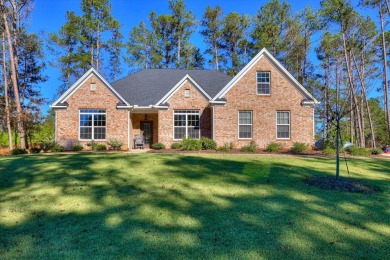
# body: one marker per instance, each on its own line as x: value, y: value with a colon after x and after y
x: 147, y: 132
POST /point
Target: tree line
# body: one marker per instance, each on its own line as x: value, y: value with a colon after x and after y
x: 336, y: 52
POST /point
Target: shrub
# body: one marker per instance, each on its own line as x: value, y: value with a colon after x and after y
x: 357, y: 151
x: 100, y: 147
x: 208, y: 144
x: 376, y: 151
x: 225, y: 148
x: 329, y: 151
x: 273, y: 147
x: 299, y: 147
x: 115, y: 144
x: 58, y: 148
x: 17, y: 151
x: 47, y: 145
x: 35, y: 150
x: 250, y: 148
x: 158, y: 146
x: 176, y: 146
x: 92, y: 145
x: 190, y: 144
x: 76, y: 147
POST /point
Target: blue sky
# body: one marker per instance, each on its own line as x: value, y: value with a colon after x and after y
x: 49, y: 15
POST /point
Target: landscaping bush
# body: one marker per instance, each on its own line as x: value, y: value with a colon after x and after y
x: 76, y: 147
x: 225, y: 148
x: 47, y: 145
x: 35, y: 150
x: 58, y: 148
x: 190, y: 144
x: 273, y: 148
x: 357, y: 151
x: 299, y: 147
x: 329, y: 151
x: 100, y: 147
x: 250, y: 148
x: 92, y: 145
x: 176, y: 146
x: 17, y: 151
x: 115, y: 144
x: 208, y: 144
x: 376, y: 151
x: 158, y: 146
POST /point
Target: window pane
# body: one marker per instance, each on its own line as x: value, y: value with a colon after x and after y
x: 263, y: 88
x: 99, y: 133
x: 245, y: 131
x: 85, y: 132
x: 179, y: 132
x: 283, y: 131
x: 283, y: 118
x: 99, y: 120
x: 85, y: 120
x: 180, y: 120
x: 245, y: 117
x: 193, y: 120
x: 193, y: 132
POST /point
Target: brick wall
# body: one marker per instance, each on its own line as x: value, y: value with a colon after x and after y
x: 243, y: 96
x: 67, y: 120
x: 179, y: 102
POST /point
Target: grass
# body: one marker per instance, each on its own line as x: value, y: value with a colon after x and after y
x: 188, y: 206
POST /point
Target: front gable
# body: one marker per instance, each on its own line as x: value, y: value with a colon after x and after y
x: 264, y: 62
x: 88, y: 88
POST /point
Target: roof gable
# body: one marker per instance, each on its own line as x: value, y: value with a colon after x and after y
x: 264, y: 53
x: 179, y: 85
x: 61, y: 101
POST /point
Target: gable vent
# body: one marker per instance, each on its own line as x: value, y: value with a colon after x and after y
x: 93, y: 86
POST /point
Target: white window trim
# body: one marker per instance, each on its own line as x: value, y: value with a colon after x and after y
x: 257, y: 83
x: 79, y: 138
x: 289, y: 125
x: 238, y: 123
x: 186, y: 121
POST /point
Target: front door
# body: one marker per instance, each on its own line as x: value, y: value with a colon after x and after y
x: 147, y: 132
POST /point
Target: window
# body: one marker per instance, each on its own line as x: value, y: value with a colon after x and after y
x: 244, y: 124
x: 263, y: 83
x: 186, y: 124
x: 283, y: 124
x: 92, y: 124
x: 187, y: 93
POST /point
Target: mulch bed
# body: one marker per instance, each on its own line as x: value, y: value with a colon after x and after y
x: 341, y: 184
x: 235, y: 151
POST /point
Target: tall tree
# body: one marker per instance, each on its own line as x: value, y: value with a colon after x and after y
x: 14, y: 71
x: 114, y: 47
x: 271, y: 23
x: 212, y: 33
x: 6, y: 95
x: 183, y: 22
x: 139, y: 47
x: 233, y: 32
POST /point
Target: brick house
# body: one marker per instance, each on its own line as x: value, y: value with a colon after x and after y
x: 263, y: 102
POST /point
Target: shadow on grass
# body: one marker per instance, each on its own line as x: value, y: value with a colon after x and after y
x: 165, y: 206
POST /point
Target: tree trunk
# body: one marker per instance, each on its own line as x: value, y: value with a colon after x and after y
x: 98, y: 46
x: 14, y: 77
x: 352, y: 88
x: 216, y: 56
x: 385, y: 80
x: 178, y: 51
x: 7, y: 107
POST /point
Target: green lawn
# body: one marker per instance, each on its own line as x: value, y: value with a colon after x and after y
x: 188, y: 206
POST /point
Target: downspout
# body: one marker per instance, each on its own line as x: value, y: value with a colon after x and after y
x: 128, y: 129
x: 213, y: 124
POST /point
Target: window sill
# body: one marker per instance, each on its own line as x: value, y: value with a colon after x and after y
x: 266, y: 95
x: 283, y: 138
x: 244, y: 139
x: 90, y: 140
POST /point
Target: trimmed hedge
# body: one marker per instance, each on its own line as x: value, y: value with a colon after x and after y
x: 299, y: 147
x: 158, y: 146
x: 58, y: 148
x: 208, y: 144
x: 18, y: 151
x: 357, y: 151
x: 250, y: 148
x: 76, y: 147
x: 101, y: 147
x: 176, y: 145
x: 189, y: 144
x: 329, y: 151
x: 115, y: 144
x: 376, y: 151
x: 273, y: 148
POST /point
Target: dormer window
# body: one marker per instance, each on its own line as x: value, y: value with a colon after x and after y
x: 263, y: 83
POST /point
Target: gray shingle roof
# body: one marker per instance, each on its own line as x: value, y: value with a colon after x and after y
x: 148, y: 86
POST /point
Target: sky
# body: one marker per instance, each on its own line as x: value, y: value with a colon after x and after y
x: 49, y: 15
